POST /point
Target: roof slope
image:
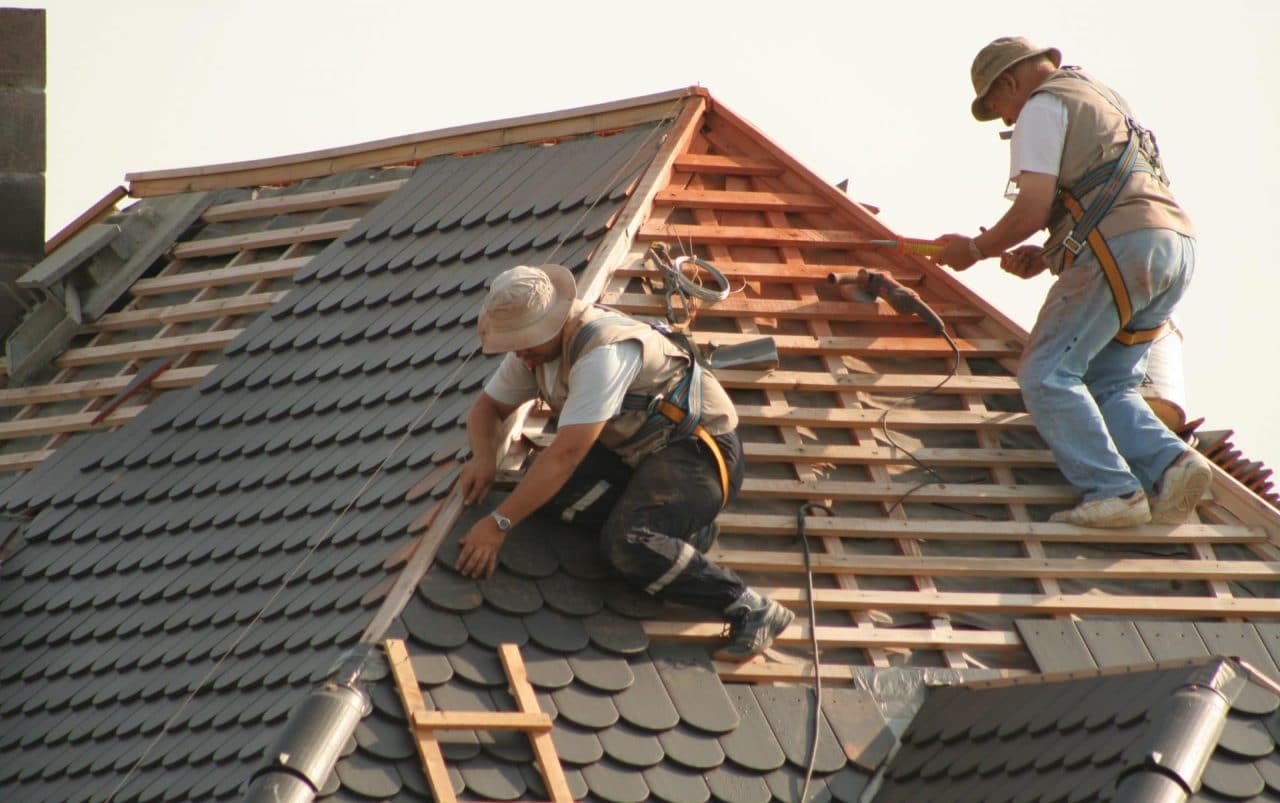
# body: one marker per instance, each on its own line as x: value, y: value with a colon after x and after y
x: 1150, y: 734
x: 168, y: 543
x: 635, y: 719
x: 285, y: 507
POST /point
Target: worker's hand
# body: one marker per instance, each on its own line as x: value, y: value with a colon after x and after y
x: 479, y: 554
x: 476, y: 479
x: 1024, y: 261
x: 955, y: 253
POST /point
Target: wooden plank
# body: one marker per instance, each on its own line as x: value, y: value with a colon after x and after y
x: 738, y: 307
x: 101, y: 208
x: 760, y: 671
x: 1046, y: 604
x: 75, y: 422
x: 414, y: 704
x: 869, y: 383
x: 949, y: 566
x: 772, y: 272
x: 63, y: 391
x: 237, y: 274
x: 755, y: 200
x: 877, y: 455
x: 262, y: 239
x: 756, y: 235
x: 797, y: 635
x: 24, y: 461
x: 902, y: 419
x: 181, y: 313
x: 482, y: 720
x: 982, y: 530
x: 726, y: 165
x: 303, y: 201
x: 144, y: 349
x: 543, y: 748
x: 412, y: 148
x: 888, y: 347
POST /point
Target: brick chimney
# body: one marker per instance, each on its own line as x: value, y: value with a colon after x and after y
x: 22, y: 153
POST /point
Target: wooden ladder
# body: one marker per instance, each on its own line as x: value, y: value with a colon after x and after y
x: 528, y: 718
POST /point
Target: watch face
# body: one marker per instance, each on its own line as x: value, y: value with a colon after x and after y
x: 504, y: 523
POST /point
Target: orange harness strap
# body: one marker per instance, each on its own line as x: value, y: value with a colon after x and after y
x: 1110, y: 269
x: 675, y: 414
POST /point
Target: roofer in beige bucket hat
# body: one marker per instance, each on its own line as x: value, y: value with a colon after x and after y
x: 1123, y: 250
x: 646, y: 451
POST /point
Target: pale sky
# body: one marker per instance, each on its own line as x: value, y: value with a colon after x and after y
x: 875, y: 93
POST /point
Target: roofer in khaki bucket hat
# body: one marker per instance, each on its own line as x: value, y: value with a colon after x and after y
x: 646, y: 450
x: 1123, y: 250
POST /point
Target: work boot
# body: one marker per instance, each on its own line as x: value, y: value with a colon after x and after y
x: 703, y: 538
x: 754, y: 622
x: 1181, y: 486
x: 1112, y: 512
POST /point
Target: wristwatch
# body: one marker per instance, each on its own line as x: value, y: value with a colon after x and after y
x: 504, y: 523
x: 975, y: 251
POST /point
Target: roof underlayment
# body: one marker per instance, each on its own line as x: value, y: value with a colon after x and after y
x: 240, y: 473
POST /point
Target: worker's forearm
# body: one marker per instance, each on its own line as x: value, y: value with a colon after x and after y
x: 482, y: 432
x: 1019, y: 223
x: 547, y: 475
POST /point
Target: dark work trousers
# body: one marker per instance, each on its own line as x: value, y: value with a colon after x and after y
x: 645, y: 514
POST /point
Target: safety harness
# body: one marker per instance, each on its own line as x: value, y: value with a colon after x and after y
x: 1140, y: 155
x: 682, y: 411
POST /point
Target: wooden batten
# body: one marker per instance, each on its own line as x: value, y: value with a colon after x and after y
x: 234, y: 274
x: 412, y: 148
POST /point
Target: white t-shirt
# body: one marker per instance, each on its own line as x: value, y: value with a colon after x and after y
x: 597, y: 382
x: 1038, y: 139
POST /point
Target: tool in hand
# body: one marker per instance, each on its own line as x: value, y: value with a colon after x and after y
x: 903, y: 299
x: 925, y: 248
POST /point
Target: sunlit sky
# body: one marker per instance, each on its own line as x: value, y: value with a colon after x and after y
x: 875, y: 93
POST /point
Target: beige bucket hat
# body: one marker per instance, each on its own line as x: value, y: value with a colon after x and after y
x: 526, y: 307
x: 997, y: 57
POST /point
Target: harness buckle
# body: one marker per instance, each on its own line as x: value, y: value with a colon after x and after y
x: 654, y: 403
x: 1073, y: 245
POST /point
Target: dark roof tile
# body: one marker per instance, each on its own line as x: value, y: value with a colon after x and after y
x: 602, y: 672
x: 676, y: 785
x: 585, y: 707
x: 491, y: 779
x: 556, y: 631
x: 751, y: 745
x: 477, y: 664
x: 433, y: 627
x: 617, y: 634
x: 546, y: 670
x: 615, y: 782
x: 576, y: 745
x: 646, y: 703
x: 690, y: 680
x: 1234, y: 779
x: 728, y: 782
x: 692, y: 748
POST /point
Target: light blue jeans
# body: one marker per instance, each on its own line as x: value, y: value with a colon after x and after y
x: 1080, y: 385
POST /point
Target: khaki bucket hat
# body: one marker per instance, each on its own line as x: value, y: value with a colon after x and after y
x: 526, y: 307
x: 997, y: 57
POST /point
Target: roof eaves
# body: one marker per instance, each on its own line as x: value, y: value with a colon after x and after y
x: 412, y: 147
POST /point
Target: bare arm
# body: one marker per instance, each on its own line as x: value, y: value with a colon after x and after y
x: 482, y: 433
x: 479, y: 554
x: 1029, y: 214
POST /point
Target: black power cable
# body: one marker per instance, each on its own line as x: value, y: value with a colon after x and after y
x: 805, y: 510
